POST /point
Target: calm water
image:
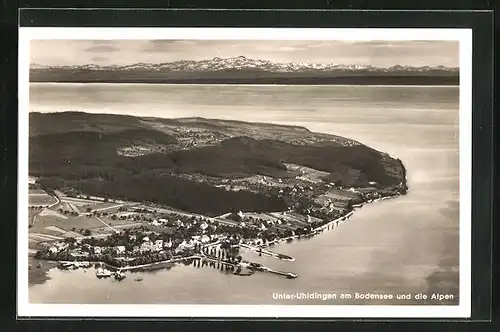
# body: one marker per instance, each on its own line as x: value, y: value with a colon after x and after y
x: 409, y: 244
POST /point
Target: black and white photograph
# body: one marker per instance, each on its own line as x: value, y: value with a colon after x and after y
x: 277, y: 172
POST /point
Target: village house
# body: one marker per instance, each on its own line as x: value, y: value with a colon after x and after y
x: 147, y: 246
x: 61, y: 246
x: 184, y: 246
x: 53, y: 250
x: 167, y: 244
x: 97, y: 250
x: 204, y: 239
x: 203, y: 226
x: 158, y: 245
x: 119, y: 250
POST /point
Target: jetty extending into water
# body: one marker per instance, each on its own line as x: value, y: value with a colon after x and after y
x: 289, y: 275
x: 253, y: 266
x: 267, y: 252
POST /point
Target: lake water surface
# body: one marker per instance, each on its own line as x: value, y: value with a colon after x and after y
x: 404, y: 245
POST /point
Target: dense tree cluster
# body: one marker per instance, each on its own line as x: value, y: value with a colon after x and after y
x: 85, y: 158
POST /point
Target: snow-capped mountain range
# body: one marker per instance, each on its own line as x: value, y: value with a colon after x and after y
x: 242, y: 63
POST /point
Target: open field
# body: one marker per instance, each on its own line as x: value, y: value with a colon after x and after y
x: 66, y: 224
x: 56, y: 223
x: 36, y: 192
x: 120, y: 227
x: 54, y: 231
x: 294, y: 219
x: 82, y: 205
x: 105, y: 207
x: 40, y: 199
x: 33, y: 244
x: 79, y: 201
x: 336, y: 194
x: 301, y: 218
x: 49, y: 212
x: 119, y: 222
x: 67, y: 206
x: 306, y: 173
x: 339, y: 197
x: 51, y: 225
x: 40, y: 237
x: 264, y: 216
x: 32, y: 215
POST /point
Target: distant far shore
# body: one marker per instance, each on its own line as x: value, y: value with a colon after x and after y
x: 344, y: 80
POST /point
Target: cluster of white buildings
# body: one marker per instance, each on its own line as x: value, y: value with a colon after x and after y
x: 163, y: 222
x: 58, y: 247
x: 147, y: 245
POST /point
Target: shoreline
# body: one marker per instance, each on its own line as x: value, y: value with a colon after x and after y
x: 327, y: 225
x: 41, y: 275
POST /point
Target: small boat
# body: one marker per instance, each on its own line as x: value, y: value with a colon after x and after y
x: 66, y: 264
x: 119, y: 275
x: 102, y: 273
x: 138, y: 279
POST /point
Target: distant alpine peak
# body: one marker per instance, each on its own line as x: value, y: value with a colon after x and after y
x: 243, y: 63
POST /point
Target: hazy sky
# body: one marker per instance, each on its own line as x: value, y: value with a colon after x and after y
x: 120, y: 52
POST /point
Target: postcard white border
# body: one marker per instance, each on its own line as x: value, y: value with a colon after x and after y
x: 463, y: 310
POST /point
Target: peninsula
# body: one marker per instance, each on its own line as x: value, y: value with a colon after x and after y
x: 133, y: 192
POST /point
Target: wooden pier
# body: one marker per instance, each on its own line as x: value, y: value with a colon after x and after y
x: 267, y: 252
x: 253, y: 266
